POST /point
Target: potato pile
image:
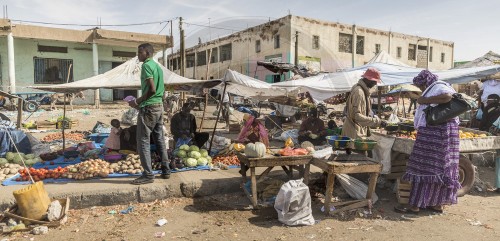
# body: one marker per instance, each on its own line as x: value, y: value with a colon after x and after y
x: 8, y: 170
x: 131, y: 165
x: 89, y: 169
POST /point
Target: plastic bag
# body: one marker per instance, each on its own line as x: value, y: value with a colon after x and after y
x: 355, y: 188
x: 393, y: 119
x: 182, y: 141
x: 294, y: 134
x: 130, y: 116
x: 293, y: 204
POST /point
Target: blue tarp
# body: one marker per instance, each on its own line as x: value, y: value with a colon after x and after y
x: 20, y: 140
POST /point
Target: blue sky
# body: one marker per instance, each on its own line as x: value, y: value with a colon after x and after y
x: 472, y: 25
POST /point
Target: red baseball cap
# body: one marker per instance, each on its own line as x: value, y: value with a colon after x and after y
x: 372, y: 74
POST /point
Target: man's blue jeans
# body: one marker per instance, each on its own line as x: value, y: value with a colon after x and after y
x: 150, y: 122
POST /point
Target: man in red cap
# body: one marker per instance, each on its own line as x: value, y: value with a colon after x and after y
x: 360, y: 117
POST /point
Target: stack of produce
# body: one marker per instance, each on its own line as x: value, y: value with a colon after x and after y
x: 192, y: 156
x: 17, y: 158
x: 89, y: 169
x: 228, y: 160
x: 8, y: 170
x: 288, y: 151
x: 42, y: 174
x: 131, y: 165
x: 466, y: 135
x: 58, y: 136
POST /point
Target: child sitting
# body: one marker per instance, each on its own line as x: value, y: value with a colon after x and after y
x: 332, y: 130
x: 113, y: 141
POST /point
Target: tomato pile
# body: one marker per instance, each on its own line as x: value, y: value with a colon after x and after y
x: 41, y: 174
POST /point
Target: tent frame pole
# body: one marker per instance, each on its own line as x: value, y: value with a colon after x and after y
x: 218, y: 116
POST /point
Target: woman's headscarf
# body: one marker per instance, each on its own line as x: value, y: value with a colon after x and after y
x: 248, y: 124
x: 425, y: 78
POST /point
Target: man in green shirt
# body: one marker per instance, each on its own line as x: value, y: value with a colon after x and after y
x: 150, y: 119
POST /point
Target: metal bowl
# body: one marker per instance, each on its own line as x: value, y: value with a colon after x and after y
x: 392, y: 128
x: 406, y: 127
x: 364, y: 144
x: 338, y: 141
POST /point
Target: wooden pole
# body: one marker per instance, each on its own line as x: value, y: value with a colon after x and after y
x: 204, y: 111
x: 379, y: 100
x: 19, y: 112
x: 64, y: 124
x: 64, y: 111
x: 206, y: 94
x: 217, y: 120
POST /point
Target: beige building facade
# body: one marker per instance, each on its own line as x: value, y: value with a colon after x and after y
x: 322, y: 47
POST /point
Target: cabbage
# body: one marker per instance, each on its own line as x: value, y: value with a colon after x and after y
x: 30, y: 162
x: 9, y: 156
x: 194, y: 154
x: 209, y: 159
x: 202, y: 161
x: 204, y: 153
x: 181, y: 153
x: 190, y: 162
x: 18, y: 159
x: 184, y: 147
x: 3, y: 161
x: 194, y: 148
x: 30, y: 156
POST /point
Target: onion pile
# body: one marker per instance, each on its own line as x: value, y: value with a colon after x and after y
x: 89, y: 169
x: 131, y: 165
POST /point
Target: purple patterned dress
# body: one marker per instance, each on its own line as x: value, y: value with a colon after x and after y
x: 433, y: 165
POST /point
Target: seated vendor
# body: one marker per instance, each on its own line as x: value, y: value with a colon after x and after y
x: 253, y: 131
x: 183, y: 125
x: 491, y: 112
x: 332, y: 128
x: 312, y: 129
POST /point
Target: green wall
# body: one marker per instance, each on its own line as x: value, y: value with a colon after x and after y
x: 80, y: 53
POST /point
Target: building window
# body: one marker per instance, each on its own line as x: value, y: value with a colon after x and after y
x: 345, y: 43
x: 399, y: 50
x: 315, y: 42
x: 52, y: 71
x: 201, y: 58
x: 175, y: 65
x: 225, y: 52
x: 190, y: 60
x: 430, y: 54
x: 124, y: 54
x: 412, y: 52
x: 214, y: 56
x: 377, y: 48
x: 360, y: 45
x: 53, y: 49
x: 277, y: 41
x: 257, y: 46
x: 442, y: 57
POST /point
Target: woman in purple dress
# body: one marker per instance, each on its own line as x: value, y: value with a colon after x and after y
x: 433, y: 165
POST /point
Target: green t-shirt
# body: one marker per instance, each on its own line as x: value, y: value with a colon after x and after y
x: 151, y: 69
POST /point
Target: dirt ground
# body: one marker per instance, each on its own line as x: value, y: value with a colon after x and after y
x: 228, y: 217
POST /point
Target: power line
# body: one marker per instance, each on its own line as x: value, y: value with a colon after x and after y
x: 202, y: 25
x: 92, y: 25
x: 164, y: 27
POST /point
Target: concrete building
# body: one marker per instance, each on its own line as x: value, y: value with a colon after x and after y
x: 322, y: 46
x: 32, y: 55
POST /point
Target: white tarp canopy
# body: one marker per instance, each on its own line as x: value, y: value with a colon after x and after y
x: 124, y: 76
x: 246, y: 86
x: 324, y: 86
x: 384, y: 57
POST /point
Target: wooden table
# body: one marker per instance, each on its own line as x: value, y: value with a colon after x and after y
x: 302, y: 163
x: 346, y: 164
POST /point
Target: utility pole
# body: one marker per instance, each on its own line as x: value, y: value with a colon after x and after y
x: 182, y: 49
x: 428, y: 52
x: 172, y: 45
x: 354, y: 42
x: 296, y: 48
